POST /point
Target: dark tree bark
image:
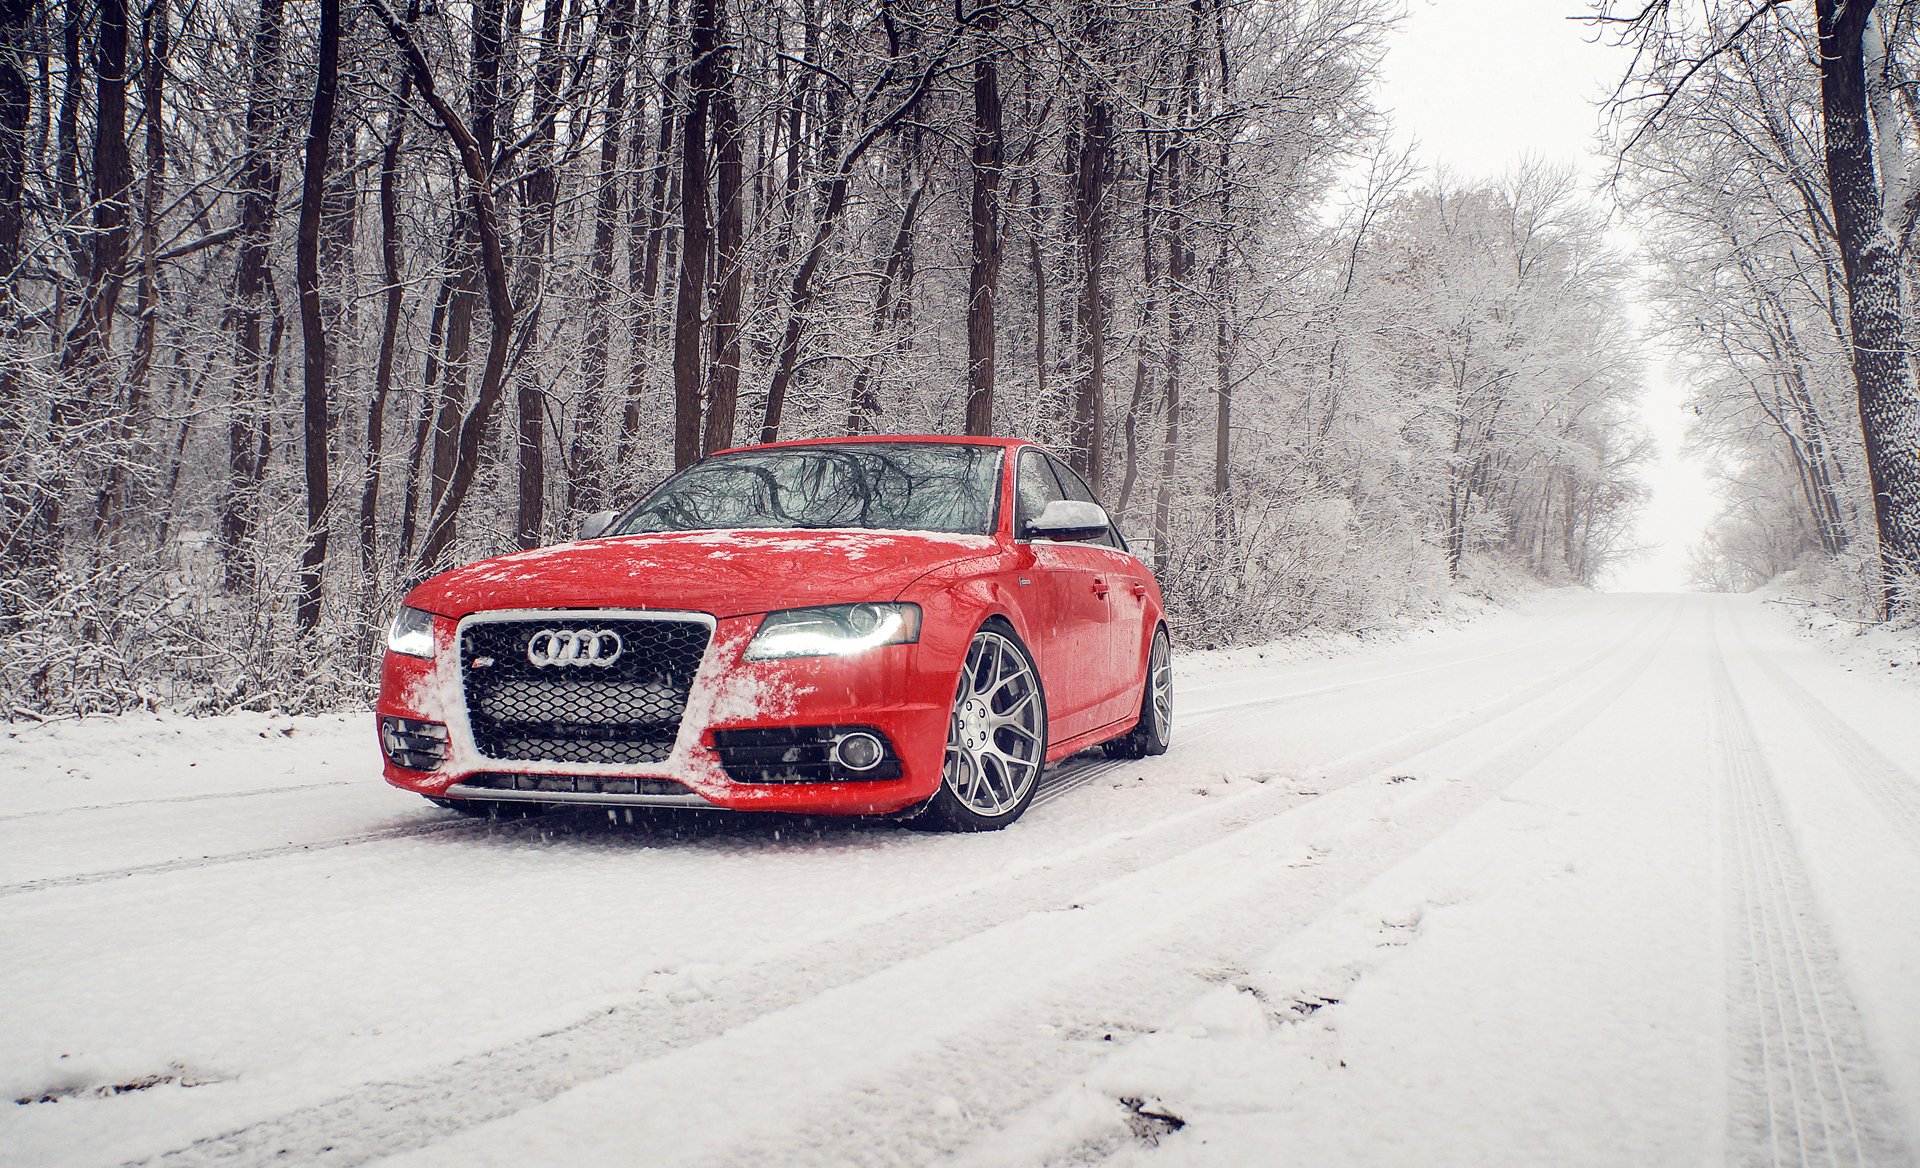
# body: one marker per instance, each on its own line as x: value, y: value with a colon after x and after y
x: 16, y: 107
x: 646, y: 237
x: 315, y: 428
x: 393, y: 298
x: 1149, y: 311
x: 483, y: 104
x: 259, y: 183
x: 441, y: 525
x: 159, y: 46
x: 539, y: 190
x: 1222, y: 306
x: 724, y: 384
x: 106, y: 246
x: 1882, y: 360
x: 123, y: 449
x: 983, y: 273
x: 1087, y: 427
x: 703, y: 31
x: 1037, y: 269
x: 1179, y: 265
x: 429, y: 384
x: 67, y: 167
x: 587, y: 484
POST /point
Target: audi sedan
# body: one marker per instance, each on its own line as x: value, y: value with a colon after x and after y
x: 862, y: 626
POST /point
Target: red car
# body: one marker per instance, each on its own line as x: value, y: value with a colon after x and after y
x: 844, y: 626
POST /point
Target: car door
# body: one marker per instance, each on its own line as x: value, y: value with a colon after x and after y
x: 1066, y: 608
x: 1123, y: 580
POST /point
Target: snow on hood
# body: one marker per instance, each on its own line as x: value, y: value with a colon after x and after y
x: 726, y: 573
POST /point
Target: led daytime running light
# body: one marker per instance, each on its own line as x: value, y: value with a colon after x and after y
x: 838, y: 631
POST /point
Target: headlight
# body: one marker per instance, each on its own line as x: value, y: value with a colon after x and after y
x: 834, y: 631
x: 411, y: 633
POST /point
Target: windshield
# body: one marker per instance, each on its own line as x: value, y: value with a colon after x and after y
x: 904, y: 486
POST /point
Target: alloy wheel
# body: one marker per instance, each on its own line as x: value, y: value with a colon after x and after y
x: 995, y: 737
x: 1160, y: 676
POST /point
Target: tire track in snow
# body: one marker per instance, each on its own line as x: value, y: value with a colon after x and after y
x: 1070, y: 775
x: 1586, y: 622
x: 1209, y: 712
x: 1085, y: 773
x: 383, y: 1118
x: 189, y: 863
x: 1894, y: 792
x: 1135, y: 955
x: 1067, y: 778
x: 201, y: 798
x: 1813, y: 1091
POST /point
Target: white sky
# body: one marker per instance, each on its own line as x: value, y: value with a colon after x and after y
x: 1480, y: 84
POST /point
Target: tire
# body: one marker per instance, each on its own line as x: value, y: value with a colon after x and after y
x: 1154, y: 732
x: 996, y: 738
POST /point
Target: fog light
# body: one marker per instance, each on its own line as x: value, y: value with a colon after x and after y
x: 859, y: 751
x: 417, y: 746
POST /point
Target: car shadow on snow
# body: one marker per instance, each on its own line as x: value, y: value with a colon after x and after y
x: 659, y: 827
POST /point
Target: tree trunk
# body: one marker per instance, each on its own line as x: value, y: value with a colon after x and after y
x: 429, y: 383
x: 540, y: 189
x: 1087, y: 428
x: 1883, y: 372
x: 730, y: 234
x: 440, y: 527
x: 702, y: 33
x: 646, y: 236
x: 313, y: 332
x: 125, y: 452
x: 983, y: 275
x: 1149, y: 310
x: 259, y: 183
x: 587, y: 482
x: 393, y: 299
x: 16, y: 107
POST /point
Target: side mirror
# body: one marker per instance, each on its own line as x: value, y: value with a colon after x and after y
x: 1069, y: 521
x: 597, y: 523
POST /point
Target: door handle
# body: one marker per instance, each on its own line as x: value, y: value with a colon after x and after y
x: 1139, y: 589
x: 1099, y: 586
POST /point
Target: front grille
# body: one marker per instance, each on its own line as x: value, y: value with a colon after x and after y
x: 624, y: 712
x: 797, y: 754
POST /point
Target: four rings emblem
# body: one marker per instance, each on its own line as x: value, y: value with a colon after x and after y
x: 597, y: 647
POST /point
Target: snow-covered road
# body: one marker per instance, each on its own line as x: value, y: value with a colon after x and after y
x: 1609, y: 879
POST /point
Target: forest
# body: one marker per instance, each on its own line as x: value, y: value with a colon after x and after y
x: 306, y: 301
x: 1771, y: 152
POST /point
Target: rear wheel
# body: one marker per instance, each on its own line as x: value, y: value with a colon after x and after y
x: 1154, y: 732
x: 996, y: 738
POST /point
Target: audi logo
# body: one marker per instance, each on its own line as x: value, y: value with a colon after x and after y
x: 597, y: 647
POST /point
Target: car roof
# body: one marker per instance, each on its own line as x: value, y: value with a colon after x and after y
x: 960, y: 439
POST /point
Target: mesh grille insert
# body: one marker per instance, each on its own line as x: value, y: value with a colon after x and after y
x: 624, y: 708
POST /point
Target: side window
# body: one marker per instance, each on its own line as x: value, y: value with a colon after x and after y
x: 1077, y: 489
x: 1034, y: 489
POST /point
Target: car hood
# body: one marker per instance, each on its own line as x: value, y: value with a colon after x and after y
x: 726, y: 573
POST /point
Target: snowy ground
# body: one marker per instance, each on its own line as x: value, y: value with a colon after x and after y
x: 1605, y: 880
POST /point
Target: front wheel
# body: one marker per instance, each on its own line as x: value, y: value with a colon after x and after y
x: 996, y: 738
x: 1154, y: 732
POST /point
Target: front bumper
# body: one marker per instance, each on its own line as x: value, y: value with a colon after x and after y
x: 901, y: 691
